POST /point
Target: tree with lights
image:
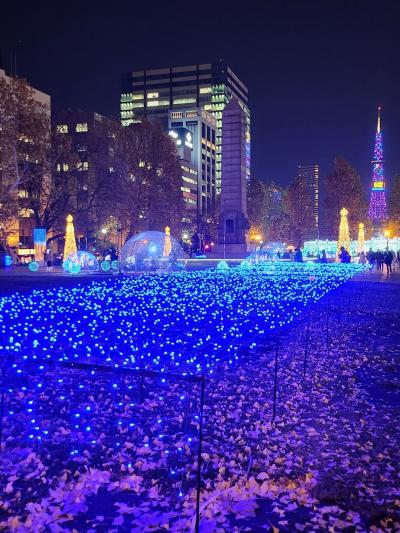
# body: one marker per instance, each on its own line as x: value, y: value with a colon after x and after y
x: 361, y: 238
x: 344, y: 234
x: 167, y: 242
x: 70, y: 242
x: 377, y: 205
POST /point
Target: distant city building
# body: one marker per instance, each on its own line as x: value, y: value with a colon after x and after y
x: 39, y: 96
x: 311, y: 175
x: 20, y: 235
x: 182, y: 138
x: 200, y: 128
x: 90, y: 133
x: 153, y: 93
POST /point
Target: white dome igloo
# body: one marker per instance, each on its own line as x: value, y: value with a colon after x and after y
x: 152, y: 250
x: 81, y: 261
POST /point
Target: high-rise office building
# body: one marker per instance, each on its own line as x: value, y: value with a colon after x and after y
x: 182, y: 138
x: 210, y: 86
x: 311, y: 175
x: 200, y: 128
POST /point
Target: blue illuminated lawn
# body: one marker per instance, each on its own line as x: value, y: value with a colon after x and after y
x: 186, y: 322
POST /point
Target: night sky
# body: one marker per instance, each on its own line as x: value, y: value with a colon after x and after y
x: 316, y: 71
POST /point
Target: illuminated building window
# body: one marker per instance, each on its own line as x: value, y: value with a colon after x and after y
x: 127, y: 97
x: 178, y: 101
x: 205, y: 90
x: 136, y: 105
x: 62, y: 128
x: 156, y: 103
x: 137, y: 96
x: 22, y: 193
x: 176, y: 114
x: 62, y: 167
x: 152, y: 95
x: 84, y: 165
x: 81, y: 127
x: 189, y: 180
x: 26, y: 213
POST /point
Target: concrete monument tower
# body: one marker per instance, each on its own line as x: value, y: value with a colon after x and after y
x: 233, y: 222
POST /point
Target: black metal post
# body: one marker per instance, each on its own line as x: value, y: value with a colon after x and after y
x: 307, y: 338
x: 2, y: 402
x: 141, y: 388
x: 327, y: 326
x: 275, y: 379
x: 199, y: 456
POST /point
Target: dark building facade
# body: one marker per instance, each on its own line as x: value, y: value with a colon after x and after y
x: 91, y: 137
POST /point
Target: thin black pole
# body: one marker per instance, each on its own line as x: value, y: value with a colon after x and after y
x: 141, y: 388
x: 307, y: 338
x: 327, y: 326
x: 275, y: 378
x: 2, y: 401
x: 199, y: 457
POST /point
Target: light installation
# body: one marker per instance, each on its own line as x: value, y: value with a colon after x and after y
x: 150, y: 321
x: 344, y: 234
x: 187, y: 323
x: 167, y: 242
x: 361, y: 238
x: 70, y: 243
x: 377, y: 206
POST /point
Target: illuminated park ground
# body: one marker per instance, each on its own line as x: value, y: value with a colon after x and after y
x: 102, y: 396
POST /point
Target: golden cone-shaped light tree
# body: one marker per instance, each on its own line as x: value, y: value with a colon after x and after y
x: 70, y: 242
x: 361, y: 238
x: 344, y: 234
x: 167, y: 242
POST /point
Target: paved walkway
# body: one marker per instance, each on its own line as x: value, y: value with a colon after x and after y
x: 382, y: 277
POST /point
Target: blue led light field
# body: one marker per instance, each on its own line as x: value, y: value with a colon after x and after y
x: 184, y: 322
x: 100, y: 422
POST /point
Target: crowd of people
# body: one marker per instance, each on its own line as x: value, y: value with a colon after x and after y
x: 379, y: 260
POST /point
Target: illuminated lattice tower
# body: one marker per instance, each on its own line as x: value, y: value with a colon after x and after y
x: 361, y: 238
x: 70, y: 243
x: 344, y: 234
x: 377, y: 205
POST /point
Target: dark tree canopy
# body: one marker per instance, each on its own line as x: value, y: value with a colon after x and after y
x: 343, y: 189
